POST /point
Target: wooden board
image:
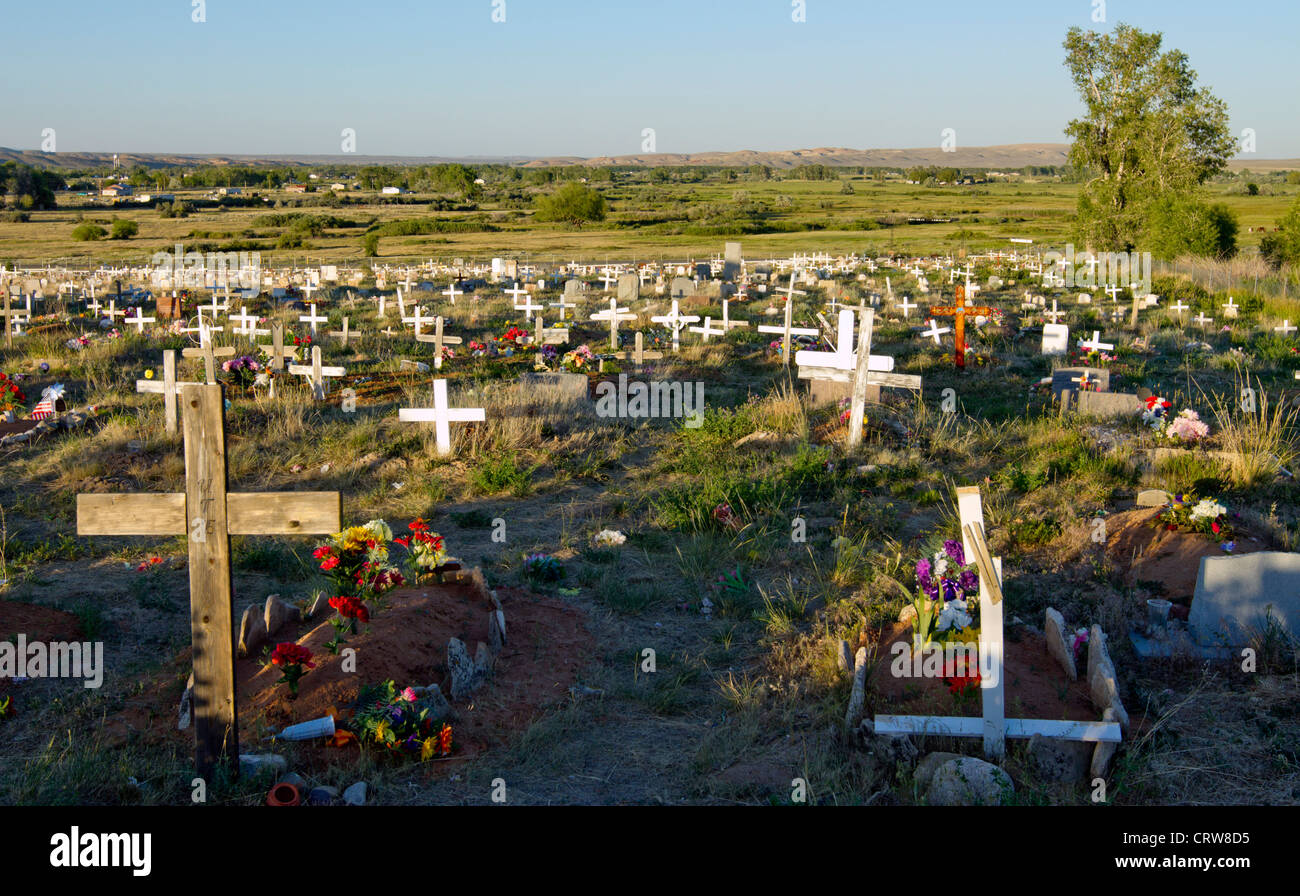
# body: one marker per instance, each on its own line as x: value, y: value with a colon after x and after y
x: 284, y: 513
x: 139, y: 514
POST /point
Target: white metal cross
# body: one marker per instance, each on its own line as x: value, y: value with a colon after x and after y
x: 442, y: 415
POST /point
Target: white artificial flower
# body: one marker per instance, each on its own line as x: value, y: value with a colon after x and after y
x: 610, y: 538
x: 953, y: 615
x: 940, y: 564
x: 1209, y: 509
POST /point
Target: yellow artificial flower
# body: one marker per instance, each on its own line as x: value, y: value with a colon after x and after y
x: 380, y: 730
x: 428, y: 748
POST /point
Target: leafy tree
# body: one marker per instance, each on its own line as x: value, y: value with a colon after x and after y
x: 124, y: 230
x: 573, y: 203
x: 1190, y: 227
x: 370, y: 245
x: 1147, y: 131
x: 88, y: 232
x: 1282, y: 246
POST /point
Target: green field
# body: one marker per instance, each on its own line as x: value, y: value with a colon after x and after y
x: 648, y: 221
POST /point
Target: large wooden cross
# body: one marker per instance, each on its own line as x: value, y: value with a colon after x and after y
x: 638, y: 355
x: 992, y: 724
x: 439, y: 340
x: 208, y: 515
x: 958, y: 311
x: 614, y: 314
x: 276, y: 351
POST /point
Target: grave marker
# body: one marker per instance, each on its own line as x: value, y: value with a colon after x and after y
x: 315, y: 373
x: 442, y: 415
x: 209, y: 515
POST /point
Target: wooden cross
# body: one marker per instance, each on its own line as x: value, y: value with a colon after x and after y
x: 439, y: 340
x: 1230, y: 309
x: 313, y: 319
x: 727, y: 322
x: 707, y: 330
x: 10, y: 315
x: 992, y: 726
x: 958, y: 311
x: 139, y: 320
x: 276, y: 351
x: 551, y: 336
x: 528, y: 308
x: 614, y: 314
x: 168, y: 388
x: 1113, y: 290
x: 315, y: 373
x: 562, y: 305
x: 1095, y: 344
x: 208, y: 515
x: 515, y: 292
x: 935, y: 330
x: 790, y: 293
x: 1054, y: 314
x: 858, y: 401
x: 417, y: 321
x: 906, y: 306
x: 442, y: 415
x: 246, y: 324
x: 341, y: 335
x: 676, y: 321
x: 639, y: 355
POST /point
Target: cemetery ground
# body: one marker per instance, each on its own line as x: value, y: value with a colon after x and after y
x: 755, y: 543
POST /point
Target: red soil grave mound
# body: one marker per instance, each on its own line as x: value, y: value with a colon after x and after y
x: 1034, y: 686
x: 1149, y: 553
x: 547, y: 643
x: 37, y: 624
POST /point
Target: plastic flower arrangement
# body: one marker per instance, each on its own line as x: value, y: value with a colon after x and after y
x: 945, y: 583
x: 425, y: 550
x: 1155, y: 412
x: 725, y: 517
x: 1207, y: 516
x: 241, y: 371
x: 478, y: 349
x: 1187, y: 427
x: 349, y: 610
x: 580, y: 360
x: 543, y: 568
x: 609, y: 538
x: 293, y: 661
x: 302, y: 340
x: 11, y: 397
x: 356, y: 561
x: 401, y: 722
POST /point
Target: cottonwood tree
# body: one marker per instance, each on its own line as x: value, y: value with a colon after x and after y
x: 1148, y: 131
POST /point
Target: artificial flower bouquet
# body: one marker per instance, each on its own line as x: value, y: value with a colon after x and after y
x: 356, y: 561
x: 1207, y: 516
x: 241, y: 371
x: 293, y: 661
x: 425, y: 550
x: 401, y: 722
x: 12, y: 398
x: 580, y: 360
x: 946, y: 583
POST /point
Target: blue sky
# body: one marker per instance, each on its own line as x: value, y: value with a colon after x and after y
x: 578, y: 77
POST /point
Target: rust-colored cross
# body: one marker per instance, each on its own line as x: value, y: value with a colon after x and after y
x: 958, y: 311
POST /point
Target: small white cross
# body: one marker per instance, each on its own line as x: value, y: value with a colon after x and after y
x: 562, y: 305
x: 1285, y: 328
x: 1203, y: 320
x: 707, y: 330
x: 527, y: 307
x: 1095, y: 344
x: 1054, y: 314
x: 1179, y: 309
x: 312, y: 319
x: 139, y: 320
x: 676, y: 321
x: 442, y: 415
x: 1230, y: 309
x: 247, y: 323
x: 315, y: 373
x: 1113, y: 291
x: 906, y: 306
x: 935, y: 330
x: 451, y: 292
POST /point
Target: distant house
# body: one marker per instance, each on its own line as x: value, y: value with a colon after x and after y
x: 392, y: 191
x: 338, y: 186
x: 229, y: 191
x: 156, y: 197
x: 117, y: 190
x: 295, y: 188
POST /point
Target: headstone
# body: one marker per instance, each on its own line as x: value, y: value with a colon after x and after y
x: 733, y: 259
x: 1056, y: 339
x: 1234, y: 596
x: 1065, y: 379
x: 629, y: 288
x: 682, y: 288
x: 1153, y: 497
x: 1107, y: 404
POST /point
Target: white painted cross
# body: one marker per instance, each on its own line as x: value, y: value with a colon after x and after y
x: 614, y: 314
x: 676, y: 321
x: 707, y: 330
x: 1230, y: 309
x: 1095, y: 344
x: 935, y: 330
x: 1285, y: 329
x: 315, y: 373
x: 139, y: 320
x: 906, y: 306
x: 787, y: 331
x: 727, y: 322
x: 451, y: 292
x: 527, y: 307
x: 442, y: 415
x: 246, y: 324
x: 1203, y: 320
x: 1113, y: 291
x: 844, y: 357
x: 1054, y: 314
x: 562, y: 305
x: 992, y: 725
x: 1179, y: 309
x: 312, y: 319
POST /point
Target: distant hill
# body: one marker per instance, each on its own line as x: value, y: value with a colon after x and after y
x: 1015, y: 155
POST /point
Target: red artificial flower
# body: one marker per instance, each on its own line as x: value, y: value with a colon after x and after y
x: 418, y: 525
x: 404, y: 541
x: 1214, y: 527
x: 287, y: 653
x: 329, y: 563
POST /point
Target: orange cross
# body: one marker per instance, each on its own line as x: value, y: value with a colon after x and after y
x: 958, y: 311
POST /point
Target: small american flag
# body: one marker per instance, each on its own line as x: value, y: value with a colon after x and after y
x: 43, y: 409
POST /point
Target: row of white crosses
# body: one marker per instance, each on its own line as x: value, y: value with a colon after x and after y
x: 992, y: 725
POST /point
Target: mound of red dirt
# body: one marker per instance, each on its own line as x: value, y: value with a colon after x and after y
x: 38, y: 624
x: 547, y: 643
x: 1034, y: 687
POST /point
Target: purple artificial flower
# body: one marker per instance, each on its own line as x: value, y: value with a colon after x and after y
x: 968, y: 582
x: 923, y: 574
x: 954, y: 551
x: 949, y: 590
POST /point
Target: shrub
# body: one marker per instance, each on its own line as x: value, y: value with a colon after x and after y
x: 87, y: 232
x: 124, y: 230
